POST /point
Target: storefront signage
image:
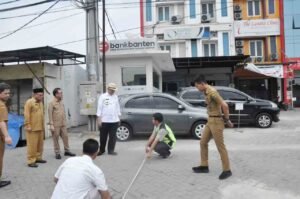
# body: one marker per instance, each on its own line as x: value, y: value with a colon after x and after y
x: 132, y: 44
x: 187, y: 33
x: 258, y: 27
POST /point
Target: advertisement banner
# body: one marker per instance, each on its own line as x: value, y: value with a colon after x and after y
x: 187, y: 33
x: 258, y: 27
x: 268, y: 70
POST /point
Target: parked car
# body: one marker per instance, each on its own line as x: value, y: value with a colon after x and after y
x: 137, y: 111
x: 255, y: 111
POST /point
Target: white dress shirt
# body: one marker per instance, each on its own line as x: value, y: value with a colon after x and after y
x: 77, y: 177
x: 109, y: 108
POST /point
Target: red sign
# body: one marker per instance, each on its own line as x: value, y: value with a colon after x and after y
x: 106, y: 46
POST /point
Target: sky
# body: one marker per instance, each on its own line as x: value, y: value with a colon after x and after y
x: 56, y: 28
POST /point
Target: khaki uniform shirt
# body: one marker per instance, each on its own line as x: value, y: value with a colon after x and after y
x: 213, y: 101
x: 34, y: 115
x: 3, y: 115
x: 57, y: 115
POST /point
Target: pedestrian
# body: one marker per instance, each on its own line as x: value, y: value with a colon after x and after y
x: 34, y: 125
x: 80, y: 178
x: 108, y: 113
x: 214, y: 128
x: 4, y: 136
x: 162, y: 139
x: 58, y: 124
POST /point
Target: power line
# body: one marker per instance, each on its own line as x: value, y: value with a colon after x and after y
x: 46, y: 22
x: 112, y: 29
x: 8, y: 2
x: 20, y: 28
x: 24, y: 6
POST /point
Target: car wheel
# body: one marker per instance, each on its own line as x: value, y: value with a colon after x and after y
x: 264, y: 120
x: 124, y: 132
x: 197, y: 129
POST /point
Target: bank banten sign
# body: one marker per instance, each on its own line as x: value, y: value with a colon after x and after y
x: 256, y: 27
x: 132, y: 44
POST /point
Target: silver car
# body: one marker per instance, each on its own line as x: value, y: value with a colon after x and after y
x: 137, y: 111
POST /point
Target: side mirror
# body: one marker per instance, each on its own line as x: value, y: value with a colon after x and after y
x: 180, y: 107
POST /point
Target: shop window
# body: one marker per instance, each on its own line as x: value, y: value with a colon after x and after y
x: 253, y: 7
x: 256, y: 48
x: 133, y: 76
x: 163, y: 13
x: 210, y: 50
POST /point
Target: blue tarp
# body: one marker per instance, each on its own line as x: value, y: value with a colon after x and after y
x: 14, y: 123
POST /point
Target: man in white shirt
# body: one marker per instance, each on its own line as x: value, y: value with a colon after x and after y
x: 80, y: 178
x: 108, y: 113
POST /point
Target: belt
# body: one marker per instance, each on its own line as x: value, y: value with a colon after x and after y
x: 215, y: 116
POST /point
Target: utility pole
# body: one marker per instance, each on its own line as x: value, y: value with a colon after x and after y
x: 103, y: 47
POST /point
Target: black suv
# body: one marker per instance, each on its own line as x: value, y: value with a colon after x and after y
x: 255, y: 111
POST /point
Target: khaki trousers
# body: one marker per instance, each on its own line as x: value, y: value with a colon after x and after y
x: 60, y: 132
x: 2, y: 149
x: 214, y: 129
x: 35, y: 144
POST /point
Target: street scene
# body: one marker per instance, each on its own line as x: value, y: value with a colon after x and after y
x: 149, y: 99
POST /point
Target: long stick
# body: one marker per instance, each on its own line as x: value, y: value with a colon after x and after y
x: 137, y: 173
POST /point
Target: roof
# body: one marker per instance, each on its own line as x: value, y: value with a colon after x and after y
x: 208, y: 62
x: 40, y: 54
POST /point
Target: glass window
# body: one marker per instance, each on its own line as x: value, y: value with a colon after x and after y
x: 210, y: 50
x: 194, y: 48
x: 163, y: 13
x: 155, y: 79
x: 165, y: 47
x: 192, y: 9
x: 194, y: 95
x: 224, y: 8
x: 204, y: 8
x: 133, y: 76
x: 253, y: 7
x: 140, y: 102
x: 273, y: 44
x: 256, y: 48
x: 225, y: 43
x: 148, y: 10
x: 208, y: 8
x: 271, y: 7
x: 164, y: 103
x: 228, y: 95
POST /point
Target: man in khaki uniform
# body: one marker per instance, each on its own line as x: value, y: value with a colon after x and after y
x: 214, y: 128
x: 57, y: 122
x: 4, y: 136
x: 34, y: 125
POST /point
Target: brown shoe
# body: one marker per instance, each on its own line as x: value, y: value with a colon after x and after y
x: 41, y: 161
x: 33, y: 165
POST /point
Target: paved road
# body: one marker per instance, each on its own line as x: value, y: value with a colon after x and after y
x: 265, y: 165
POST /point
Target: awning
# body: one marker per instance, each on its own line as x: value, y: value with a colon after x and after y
x: 267, y: 70
x: 40, y: 54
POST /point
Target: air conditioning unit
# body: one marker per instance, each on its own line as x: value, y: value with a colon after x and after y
x: 237, y: 16
x: 239, y: 51
x: 176, y: 19
x: 239, y: 43
x: 213, y: 34
x: 205, y: 18
x: 237, y: 8
x: 274, y: 57
x: 259, y: 59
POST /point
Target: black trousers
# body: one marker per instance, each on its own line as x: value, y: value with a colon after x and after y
x: 108, y: 130
x: 162, y: 149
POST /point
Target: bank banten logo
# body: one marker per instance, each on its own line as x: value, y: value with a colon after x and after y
x: 131, y: 45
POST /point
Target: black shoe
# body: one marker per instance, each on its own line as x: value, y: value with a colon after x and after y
x: 57, y: 156
x: 4, y: 183
x: 225, y: 174
x: 33, y: 165
x: 112, y: 153
x: 100, y: 153
x: 68, y: 153
x: 41, y: 161
x: 201, y: 169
